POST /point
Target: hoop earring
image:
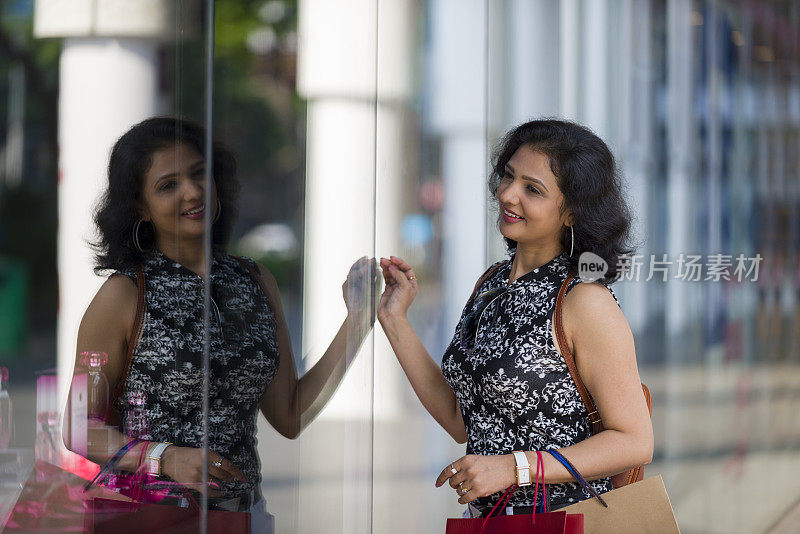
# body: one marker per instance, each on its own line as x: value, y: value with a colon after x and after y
x: 136, y: 242
x: 572, y: 241
x: 219, y: 210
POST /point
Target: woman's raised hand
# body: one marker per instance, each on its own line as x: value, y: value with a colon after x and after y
x: 360, y: 290
x: 401, y: 288
x: 185, y: 465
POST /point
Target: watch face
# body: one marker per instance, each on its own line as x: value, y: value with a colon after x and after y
x: 152, y: 466
x: 524, y: 476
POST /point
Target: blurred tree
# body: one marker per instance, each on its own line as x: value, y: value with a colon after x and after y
x: 258, y: 113
x: 256, y: 108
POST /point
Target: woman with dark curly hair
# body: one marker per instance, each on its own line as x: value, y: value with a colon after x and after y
x: 504, y: 387
x: 148, y: 317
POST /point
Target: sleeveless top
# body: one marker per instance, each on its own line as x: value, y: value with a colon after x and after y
x: 514, y: 388
x: 167, y: 362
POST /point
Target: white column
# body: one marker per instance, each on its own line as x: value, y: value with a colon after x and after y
x: 355, y: 69
x: 680, y: 142
x: 336, y: 73
x: 339, y: 206
x: 463, y: 166
x: 569, y: 44
x: 524, y: 81
x: 680, y: 145
x: 498, y: 109
x: 458, y: 100
x: 635, y: 143
x: 108, y: 81
x: 106, y: 85
x: 595, y: 67
x: 525, y: 62
x: 535, y: 60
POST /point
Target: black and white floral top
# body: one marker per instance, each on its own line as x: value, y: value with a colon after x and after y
x: 514, y: 388
x: 167, y: 361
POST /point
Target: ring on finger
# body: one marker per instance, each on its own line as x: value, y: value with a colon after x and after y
x: 453, y: 469
x: 218, y: 463
x: 412, y: 277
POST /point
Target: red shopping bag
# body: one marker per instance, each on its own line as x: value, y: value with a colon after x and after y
x: 104, y: 516
x: 543, y: 523
x: 547, y: 523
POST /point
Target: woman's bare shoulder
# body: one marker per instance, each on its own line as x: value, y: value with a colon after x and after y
x: 593, y: 306
x: 591, y: 296
x: 116, y: 299
x: 268, y: 279
x: 108, y: 322
x: 117, y: 286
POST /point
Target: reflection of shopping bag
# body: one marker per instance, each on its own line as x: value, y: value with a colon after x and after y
x: 105, y: 516
x: 52, y: 500
x: 640, y: 507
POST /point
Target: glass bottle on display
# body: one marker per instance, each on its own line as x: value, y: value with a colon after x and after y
x: 46, y: 447
x: 97, y: 387
x: 6, y: 412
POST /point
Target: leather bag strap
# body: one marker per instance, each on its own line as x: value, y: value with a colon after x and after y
x: 620, y: 479
x: 594, y: 416
x: 482, y: 279
x: 588, y: 402
x: 119, y: 389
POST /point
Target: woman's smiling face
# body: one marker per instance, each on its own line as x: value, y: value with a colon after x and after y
x: 173, y: 194
x: 530, y: 201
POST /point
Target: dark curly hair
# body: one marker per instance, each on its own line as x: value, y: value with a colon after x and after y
x: 587, y: 175
x: 130, y: 160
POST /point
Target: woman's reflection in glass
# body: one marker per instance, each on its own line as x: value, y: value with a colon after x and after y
x: 152, y: 220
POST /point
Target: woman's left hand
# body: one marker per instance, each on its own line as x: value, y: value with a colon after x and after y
x: 478, y: 475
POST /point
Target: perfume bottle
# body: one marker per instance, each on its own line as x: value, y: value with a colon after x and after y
x: 96, y: 388
x: 6, y: 413
x: 46, y: 447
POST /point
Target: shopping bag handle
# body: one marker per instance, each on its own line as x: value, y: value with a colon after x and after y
x: 111, y: 463
x: 507, y: 495
x: 577, y: 475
